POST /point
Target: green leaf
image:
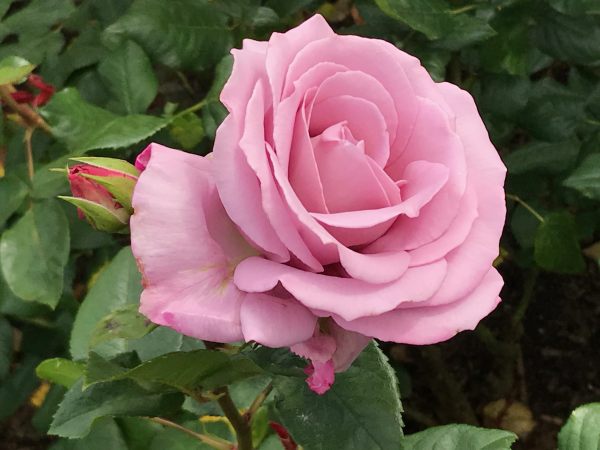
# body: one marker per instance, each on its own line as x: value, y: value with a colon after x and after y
x: 125, y: 323
x: 553, y: 111
x: 83, y: 127
x: 183, y: 34
x: 437, y: 21
x: 34, y: 253
x: 42, y: 418
x: 361, y: 410
x: 12, y: 192
x: 459, y: 437
x: 556, y: 248
x: 36, y: 17
x: 544, y: 157
x: 128, y: 74
x: 11, y: 305
x: 60, y: 371
x: 80, y: 409
x: 213, y: 112
x: 161, y: 341
x: 582, y: 430
x: 6, y: 347
x: 586, y: 178
x: 18, y: 386
x: 510, y: 50
x: 185, y: 371
x: 117, y: 286
x: 14, y: 69
x: 576, y: 7
x: 572, y: 39
x: 187, y: 130
x: 104, y: 435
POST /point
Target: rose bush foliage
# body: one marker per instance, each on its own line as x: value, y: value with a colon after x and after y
x: 263, y: 229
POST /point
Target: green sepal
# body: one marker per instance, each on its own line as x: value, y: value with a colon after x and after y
x: 115, y: 164
x: 98, y: 216
x: 121, y: 188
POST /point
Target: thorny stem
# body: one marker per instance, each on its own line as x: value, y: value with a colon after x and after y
x: 525, y: 205
x: 528, y: 290
x: 258, y: 401
x: 238, y: 422
x: 213, y: 441
x: 28, y: 152
x: 32, y: 118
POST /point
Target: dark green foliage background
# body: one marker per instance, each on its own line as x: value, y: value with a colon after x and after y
x: 128, y: 72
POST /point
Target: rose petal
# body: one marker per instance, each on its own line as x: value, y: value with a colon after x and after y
x: 276, y: 322
x: 346, y: 297
x: 432, y: 140
x: 240, y: 193
x: 253, y: 146
x: 186, y: 273
x: 429, y: 325
x: 284, y: 46
x: 425, y: 180
x: 383, y: 62
x: 363, y: 118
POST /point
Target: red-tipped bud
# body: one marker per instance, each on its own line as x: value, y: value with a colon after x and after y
x: 102, y: 189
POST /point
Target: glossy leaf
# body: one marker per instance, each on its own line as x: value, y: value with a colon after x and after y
x: 543, y: 157
x: 361, y: 410
x: 459, y: 437
x: 12, y: 192
x: 183, y: 34
x: 556, y: 248
x: 14, y: 69
x: 436, y: 20
x: 128, y: 74
x: 60, y: 371
x: 83, y: 126
x: 586, y: 178
x: 117, y: 286
x: 125, y: 323
x: 185, y: 371
x: 34, y: 252
x: 80, y: 408
x: 582, y: 430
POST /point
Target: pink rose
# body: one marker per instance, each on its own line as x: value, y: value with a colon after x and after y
x: 348, y: 196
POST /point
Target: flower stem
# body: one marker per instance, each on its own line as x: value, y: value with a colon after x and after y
x: 525, y: 205
x: 238, y: 422
x: 258, y: 401
x: 28, y: 151
x: 29, y: 115
x: 213, y: 441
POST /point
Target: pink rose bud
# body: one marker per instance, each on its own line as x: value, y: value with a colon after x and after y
x: 102, y: 189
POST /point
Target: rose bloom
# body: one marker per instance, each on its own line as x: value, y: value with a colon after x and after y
x: 348, y: 196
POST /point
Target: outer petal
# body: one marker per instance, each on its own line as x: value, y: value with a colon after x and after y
x: 276, y: 322
x: 431, y: 324
x: 349, y: 298
x: 486, y: 176
x: 186, y: 272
